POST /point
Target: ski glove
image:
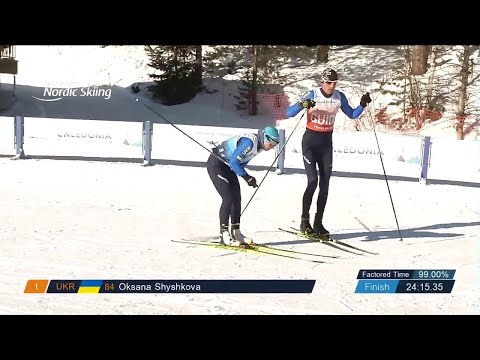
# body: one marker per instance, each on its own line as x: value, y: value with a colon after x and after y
x: 365, y: 100
x: 307, y: 104
x: 251, y: 181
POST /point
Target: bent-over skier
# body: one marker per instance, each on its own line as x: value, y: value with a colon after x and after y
x: 237, y: 151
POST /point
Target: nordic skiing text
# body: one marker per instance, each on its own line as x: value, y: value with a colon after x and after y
x: 84, y: 91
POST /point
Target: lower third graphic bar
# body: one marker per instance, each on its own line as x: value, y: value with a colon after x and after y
x: 181, y: 286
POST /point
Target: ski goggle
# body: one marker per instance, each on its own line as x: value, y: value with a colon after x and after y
x: 271, y: 139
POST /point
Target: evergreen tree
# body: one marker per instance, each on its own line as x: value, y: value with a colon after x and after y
x: 179, y: 80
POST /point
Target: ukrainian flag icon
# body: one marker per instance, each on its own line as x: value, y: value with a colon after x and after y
x: 90, y: 287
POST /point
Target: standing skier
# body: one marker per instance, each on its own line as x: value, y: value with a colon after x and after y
x: 322, y: 105
x: 237, y: 152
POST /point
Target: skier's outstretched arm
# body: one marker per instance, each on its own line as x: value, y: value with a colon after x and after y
x: 305, y: 102
x: 351, y: 112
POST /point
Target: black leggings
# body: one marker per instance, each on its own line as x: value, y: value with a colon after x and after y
x: 227, y: 185
x: 317, y: 151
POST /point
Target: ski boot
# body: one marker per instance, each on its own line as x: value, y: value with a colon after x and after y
x: 225, y: 237
x: 238, y: 237
x: 320, y: 229
x: 306, y: 228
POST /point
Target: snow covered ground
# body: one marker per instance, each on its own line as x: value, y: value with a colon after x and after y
x: 95, y: 220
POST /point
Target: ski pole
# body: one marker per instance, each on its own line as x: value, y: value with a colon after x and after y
x: 184, y: 133
x: 388, y: 187
x: 273, y: 163
x: 372, y: 121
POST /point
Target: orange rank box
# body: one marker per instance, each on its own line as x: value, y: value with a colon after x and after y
x: 36, y: 286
